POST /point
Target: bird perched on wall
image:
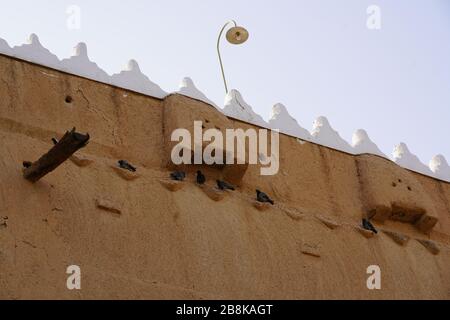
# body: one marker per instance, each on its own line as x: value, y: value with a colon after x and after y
x: 55, y: 141
x: 368, y: 226
x: 125, y: 165
x: 201, y: 179
x: 262, y: 197
x: 222, y: 185
x: 178, y: 175
x: 27, y: 164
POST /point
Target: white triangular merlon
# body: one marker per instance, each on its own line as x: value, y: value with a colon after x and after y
x: 5, y: 48
x: 361, y: 143
x: 403, y: 157
x: 80, y: 64
x: 33, y: 51
x: 236, y: 107
x: 325, y: 135
x: 133, y: 79
x: 282, y: 120
x: 440, y: 167
x: 188, y: 88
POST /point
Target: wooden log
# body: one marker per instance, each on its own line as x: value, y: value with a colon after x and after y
x: 63, y: 150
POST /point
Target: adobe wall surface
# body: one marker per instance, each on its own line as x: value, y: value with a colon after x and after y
x: 134, y: 238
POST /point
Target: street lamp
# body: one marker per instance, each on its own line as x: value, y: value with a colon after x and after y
x: 235, y: 35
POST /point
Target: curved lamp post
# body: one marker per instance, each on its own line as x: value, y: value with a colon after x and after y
x: 236, y: 35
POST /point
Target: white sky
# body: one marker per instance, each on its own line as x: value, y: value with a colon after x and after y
x: 315, y: 56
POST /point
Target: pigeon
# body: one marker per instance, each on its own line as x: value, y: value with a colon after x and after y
x: 125, y: 165
x: 201, y: 179
x: 55, y: 141
x: 262, y: 197
x: 178, y: 175
x: 27, y: 164
x: 368, y: 226
x: 222, y: 185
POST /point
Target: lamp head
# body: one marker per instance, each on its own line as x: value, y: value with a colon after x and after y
x: 237, y: 35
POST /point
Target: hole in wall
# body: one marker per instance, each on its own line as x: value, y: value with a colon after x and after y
x: 394, y: 184
x: 409, y: 188
x: 68, y: 99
